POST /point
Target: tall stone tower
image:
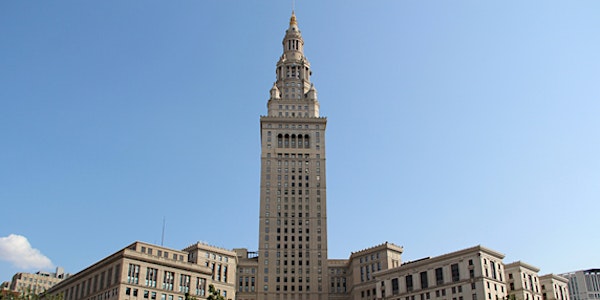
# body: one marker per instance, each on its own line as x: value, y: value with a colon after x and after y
x: 292, y: 261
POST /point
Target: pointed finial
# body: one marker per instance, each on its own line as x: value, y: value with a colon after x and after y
x: 293, y: 19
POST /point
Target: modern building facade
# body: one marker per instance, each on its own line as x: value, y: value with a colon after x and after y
x: 584, y: 284
x: 293, y: 219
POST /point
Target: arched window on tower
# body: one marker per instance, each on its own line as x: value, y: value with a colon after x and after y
x: 280, y: 140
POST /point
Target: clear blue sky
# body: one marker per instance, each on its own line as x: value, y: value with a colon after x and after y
x: 450, y: 124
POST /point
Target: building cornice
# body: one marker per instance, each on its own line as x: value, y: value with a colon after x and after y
x: 212, y: 248
x: 554, y: 277
x: 129, y: 253
x: 293, y: 120
x: 384, y: 246
x: 523, y: 265
x: 432, y: 260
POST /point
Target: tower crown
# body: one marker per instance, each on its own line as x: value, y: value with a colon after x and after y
x: 293, y: 95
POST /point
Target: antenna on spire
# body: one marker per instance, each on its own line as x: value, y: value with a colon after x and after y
x: 293, y: 5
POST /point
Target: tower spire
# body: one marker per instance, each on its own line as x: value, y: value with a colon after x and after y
x: 293, y: 21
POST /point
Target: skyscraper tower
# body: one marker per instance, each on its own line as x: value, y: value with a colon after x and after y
x: 292, y: 261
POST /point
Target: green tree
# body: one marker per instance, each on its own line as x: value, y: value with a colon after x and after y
x: 28, y: 294
x: 189, y: 297
x: 214, y: 294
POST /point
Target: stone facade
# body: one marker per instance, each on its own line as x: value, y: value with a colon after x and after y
x: 471, y: 274
x: 523, y: 281
x: 293, y: 219
x: 150, y: 272
x: 554, y: 287
x: 36, y: 283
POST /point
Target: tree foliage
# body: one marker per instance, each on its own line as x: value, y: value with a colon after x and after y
x: 28, y: 294
x: 214, y: 294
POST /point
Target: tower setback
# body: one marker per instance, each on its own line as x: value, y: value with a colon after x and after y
x: 292, y: 262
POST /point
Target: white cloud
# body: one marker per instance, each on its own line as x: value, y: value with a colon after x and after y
x: 17, y: 250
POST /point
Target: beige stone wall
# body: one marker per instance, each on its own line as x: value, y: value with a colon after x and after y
x: 459, y: 275
x: 292, y: 261
x: 146, y: 272
x: 364, y: 264
x: 522, y: 281
x: 247, y: 281
x: 554, y: 287
x: 33, y: 283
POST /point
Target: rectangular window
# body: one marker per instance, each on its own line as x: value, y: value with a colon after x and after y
x: 200, y: 286
x: 395, y: 286
x: 133, y: 274
x: 118, y: 273
x: 109, y: 277
x: 455, y: 273
x: 184, y: 283
x: 168, y: 279
x: 409, y: 283
x: 151, y: 276
x: 424, y: 282
x: 439, y: 276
